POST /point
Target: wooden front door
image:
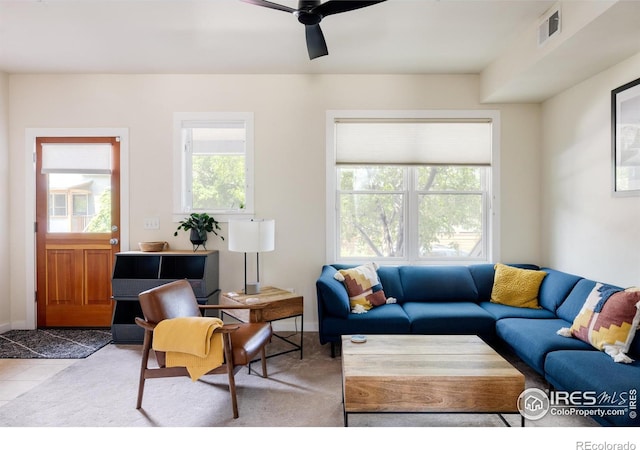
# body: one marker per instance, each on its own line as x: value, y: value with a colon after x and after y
x: 77, y: 229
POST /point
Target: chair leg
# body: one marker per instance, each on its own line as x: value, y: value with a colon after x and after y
x: 263, y: 358
x: 146, y: 347
x: 230, y: 369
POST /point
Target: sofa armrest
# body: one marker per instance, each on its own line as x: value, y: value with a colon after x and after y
x: 332, y: 295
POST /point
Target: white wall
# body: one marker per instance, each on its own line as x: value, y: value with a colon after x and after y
x: 585, y: 229
x: 5, y: 305
x: 289, y: 152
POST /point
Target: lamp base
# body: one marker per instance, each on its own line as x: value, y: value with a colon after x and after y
x: 252, y: 288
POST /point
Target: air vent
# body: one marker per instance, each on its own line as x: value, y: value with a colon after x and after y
x: 549, y: 27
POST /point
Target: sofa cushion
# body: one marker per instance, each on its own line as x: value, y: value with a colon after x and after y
x: 532, y: 339
x: 608, y: 320
x: 503, y: 311
x: 555, y: 288
x: 570, y: 370
x: 449, y: 318
x: 437, y: 284
x: 363, y: 286
x: 385, y: 319
x: 482, y: 275
x: 572, y: 305
x: 390, y: 279
x: 516, y: 287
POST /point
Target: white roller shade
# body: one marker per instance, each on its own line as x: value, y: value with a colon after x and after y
x: 76, y: 158
x: 413, y: 142
x: 217, y: 137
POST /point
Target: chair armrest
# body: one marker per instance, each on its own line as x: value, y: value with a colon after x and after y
x: 227, y: 328
x: 151, y: 326
x: 144, y: 324
x: 252, y: 306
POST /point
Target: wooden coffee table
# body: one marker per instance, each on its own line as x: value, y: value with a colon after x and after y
x: 427, y: 374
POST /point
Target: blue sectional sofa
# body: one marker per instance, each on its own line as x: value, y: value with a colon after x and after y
x: 456, y: 300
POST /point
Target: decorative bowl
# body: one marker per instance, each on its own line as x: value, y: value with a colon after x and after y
x: 155, y: 246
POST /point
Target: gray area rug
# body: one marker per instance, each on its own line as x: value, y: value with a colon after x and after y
x: 101, y: 390
x: 53, y: 343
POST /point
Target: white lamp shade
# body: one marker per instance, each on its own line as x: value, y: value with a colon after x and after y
x: 252, y: 235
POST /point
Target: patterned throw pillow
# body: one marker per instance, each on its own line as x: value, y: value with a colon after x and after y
x: 516, y: 287
x: 608, y: 321
x: 363, y: 287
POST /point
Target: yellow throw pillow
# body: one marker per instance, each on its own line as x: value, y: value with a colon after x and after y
x: 516, y: 287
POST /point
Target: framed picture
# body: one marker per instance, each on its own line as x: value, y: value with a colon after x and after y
x: 625, y: 138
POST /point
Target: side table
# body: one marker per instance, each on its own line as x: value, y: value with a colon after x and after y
x: 281, y: 305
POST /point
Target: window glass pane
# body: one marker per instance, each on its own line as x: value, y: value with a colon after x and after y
x: 373, y: 178
x: 218, y: 182
x: 450, y: 226
x: 371, y: 225
x: 449, y: 178
x: 91, y: 203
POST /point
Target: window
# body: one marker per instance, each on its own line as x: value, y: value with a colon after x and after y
x: 214, y: 157
x: 80, y: 204
x: 412, y: 187
x: 57, y: 205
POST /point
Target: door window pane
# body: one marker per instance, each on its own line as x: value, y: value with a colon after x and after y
x: 90, y: 208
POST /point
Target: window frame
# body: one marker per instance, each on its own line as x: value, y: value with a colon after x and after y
x: 491, y: 213
x: 181, y: 206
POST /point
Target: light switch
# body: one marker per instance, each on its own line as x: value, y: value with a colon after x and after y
x: 151, y: 223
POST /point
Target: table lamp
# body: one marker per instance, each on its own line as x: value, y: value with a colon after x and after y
x: 248, y: 236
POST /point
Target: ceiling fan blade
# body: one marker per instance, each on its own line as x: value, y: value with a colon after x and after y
x: 270, y: 5
x: 316, y: 45
x: 340, y: 6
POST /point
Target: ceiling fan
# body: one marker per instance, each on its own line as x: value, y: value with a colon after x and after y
x: 310, y: 13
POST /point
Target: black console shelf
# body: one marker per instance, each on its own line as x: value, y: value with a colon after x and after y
x: 134, y: 272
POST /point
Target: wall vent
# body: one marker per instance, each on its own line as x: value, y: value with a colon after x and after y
x: 549, y: 27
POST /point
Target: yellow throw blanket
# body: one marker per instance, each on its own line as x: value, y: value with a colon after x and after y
x: 190, y: 342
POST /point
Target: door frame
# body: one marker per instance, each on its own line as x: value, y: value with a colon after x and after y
x: 30, y: 208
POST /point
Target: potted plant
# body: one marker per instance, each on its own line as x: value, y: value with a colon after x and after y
x: 199, y: 225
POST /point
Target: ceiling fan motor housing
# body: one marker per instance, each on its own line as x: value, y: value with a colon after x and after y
x: 305, y: 12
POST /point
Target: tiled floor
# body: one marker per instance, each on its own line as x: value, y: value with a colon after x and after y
x: 17, y: 376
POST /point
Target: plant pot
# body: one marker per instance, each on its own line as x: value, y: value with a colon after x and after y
x: 197, y: 239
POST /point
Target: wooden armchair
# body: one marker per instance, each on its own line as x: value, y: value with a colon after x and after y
x: 242, y: 341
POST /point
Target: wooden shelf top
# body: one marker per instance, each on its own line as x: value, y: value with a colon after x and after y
x: 168, y: 252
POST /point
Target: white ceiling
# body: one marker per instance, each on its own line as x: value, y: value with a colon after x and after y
x: 229, y: 36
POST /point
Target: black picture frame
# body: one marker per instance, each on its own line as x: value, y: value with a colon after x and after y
x: 625, y: 139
